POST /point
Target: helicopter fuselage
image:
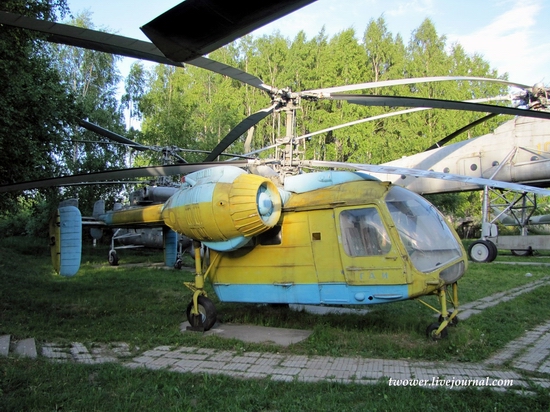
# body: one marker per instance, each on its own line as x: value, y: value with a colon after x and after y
x: 342, y: 245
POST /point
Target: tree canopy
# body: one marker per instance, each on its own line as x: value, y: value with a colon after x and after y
x: 193, y: 108
x: 36, y: 107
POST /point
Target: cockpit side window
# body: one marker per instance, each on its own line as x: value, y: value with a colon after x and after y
x: 363, y: 233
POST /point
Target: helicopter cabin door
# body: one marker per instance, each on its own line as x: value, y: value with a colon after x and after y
x: 371, y: 263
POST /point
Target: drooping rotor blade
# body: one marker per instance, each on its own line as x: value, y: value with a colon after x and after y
x: 111, y: 135
x: 327, y: 92
x: 235, y: 156
x: 460, y: 131
x: 238, y: 131
x: 197, y: 27
x: 89, y: 39
x: 115, y: 175
x: 428, y: 174
x: 120, y: 45
x: 233, y: 72
x: 397, y: 101
x: 377, y: 117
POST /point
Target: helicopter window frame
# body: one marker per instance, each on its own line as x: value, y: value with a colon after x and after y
x: 363, y: 232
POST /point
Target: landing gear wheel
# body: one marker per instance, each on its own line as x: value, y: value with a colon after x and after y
x: 494, y: 250
x: 482, y: 251
x: 113, y: 258
x: 453, y: 322
x: 178, y: 264
x: 528, y: 252
x: 207, y: 314
x: 430, y: 332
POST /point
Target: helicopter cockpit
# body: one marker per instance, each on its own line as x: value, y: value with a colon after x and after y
x: 428, y: 239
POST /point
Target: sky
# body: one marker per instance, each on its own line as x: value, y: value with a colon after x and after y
x: 512, y: 35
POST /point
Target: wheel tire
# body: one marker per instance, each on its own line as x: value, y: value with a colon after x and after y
x: 528, y: 252
x: 207, y: 317
x: 113, y: 258
x: 453, y: 322
x: 430, y: 332
x: 482, y: 251
x: 178, y: 264
x: 494, y: 250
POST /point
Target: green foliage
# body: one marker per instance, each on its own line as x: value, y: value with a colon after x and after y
x: 194, y: 109
x: 31, y: 217
x: 460, y: 205
x: 93, y: 79
x: 36, y: 106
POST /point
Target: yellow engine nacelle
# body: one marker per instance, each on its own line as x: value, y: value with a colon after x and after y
x: 223, y: 207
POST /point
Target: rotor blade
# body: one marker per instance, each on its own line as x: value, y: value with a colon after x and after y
x: 89, y: 39
x: 396, y: 101
x: 429, y: 174
x: 370, y: 119
x: 115, y: 175
x: 124, y: 46
x: 111, y: 135
x: 238, y: 131
x: 233, y: 72
x: 326, y: 93
x: 197, y: 27
x: 460, y: 131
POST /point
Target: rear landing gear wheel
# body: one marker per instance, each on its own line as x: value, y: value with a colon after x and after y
x: 178, y: 264
x: 526, y: 252
x: 206, y: 317
x: 113, y: 258
x: 482, y: 251
x: 430, y: 332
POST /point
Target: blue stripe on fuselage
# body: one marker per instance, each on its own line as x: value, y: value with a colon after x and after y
x: 313, y: 294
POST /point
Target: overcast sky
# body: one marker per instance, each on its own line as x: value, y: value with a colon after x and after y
x: 513, y: 35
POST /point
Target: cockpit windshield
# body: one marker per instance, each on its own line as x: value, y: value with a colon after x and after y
x: 427, y: 238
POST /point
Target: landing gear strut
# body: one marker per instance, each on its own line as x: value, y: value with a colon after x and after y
x: 201, y: 312
x: 438, y: 330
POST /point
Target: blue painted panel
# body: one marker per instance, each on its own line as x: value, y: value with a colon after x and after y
x: 343, y: 294
x: 268, y: 293
x: 70, y: 240
x: 313, y: 294
x: 228, y: 245
x: 170, y: 246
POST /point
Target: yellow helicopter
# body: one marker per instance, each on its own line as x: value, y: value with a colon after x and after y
x: 273, y: 233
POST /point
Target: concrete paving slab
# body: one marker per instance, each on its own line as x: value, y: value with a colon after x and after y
x: 26, y: 348
x: 325, y: 310
x: 5, y: 345
x: 256, y: 334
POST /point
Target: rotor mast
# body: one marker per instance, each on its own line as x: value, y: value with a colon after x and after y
x: 287, y: 152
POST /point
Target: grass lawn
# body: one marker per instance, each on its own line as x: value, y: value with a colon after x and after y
x: 144, y: 306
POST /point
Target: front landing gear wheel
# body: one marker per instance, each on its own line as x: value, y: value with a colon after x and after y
x: 206, y: 317
x: 113, y: 258
x: 482, y: 251
x: 430, y: 332
x: 453, y: 322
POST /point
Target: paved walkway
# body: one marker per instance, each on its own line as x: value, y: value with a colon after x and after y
x: 523, y: 364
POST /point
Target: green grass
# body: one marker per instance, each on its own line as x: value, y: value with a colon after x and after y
x: 45, y: 386
x: 144, y: 306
